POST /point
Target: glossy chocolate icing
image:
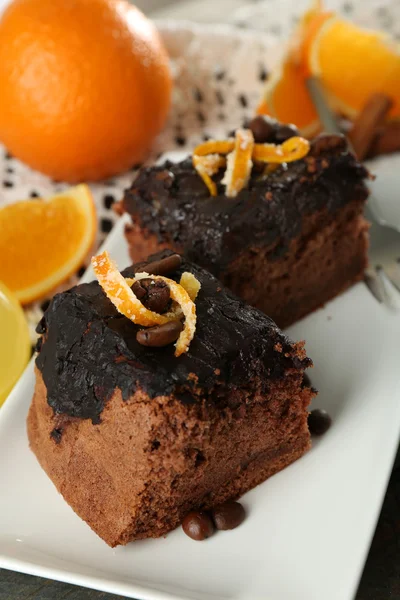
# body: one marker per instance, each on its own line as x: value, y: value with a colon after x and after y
x: 172, y: 202
x: 88, y: 349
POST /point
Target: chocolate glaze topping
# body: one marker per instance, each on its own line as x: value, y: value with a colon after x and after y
x: 89, y: 349
x: 173, y: 202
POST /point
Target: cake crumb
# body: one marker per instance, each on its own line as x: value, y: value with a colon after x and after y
x: 278, y: 347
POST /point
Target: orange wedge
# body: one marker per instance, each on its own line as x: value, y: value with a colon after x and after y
x: 15, y: 344
x: 285, y: 95
x: 286, y: 99
x: 43, y: 242
x: 354, y: 63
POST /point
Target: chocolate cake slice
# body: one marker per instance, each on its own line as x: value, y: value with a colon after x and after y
x: 292, y: 238
x: 134, y: 437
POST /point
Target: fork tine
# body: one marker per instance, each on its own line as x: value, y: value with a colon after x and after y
x: 394, y: 277
x: 374, y: 285
x: 384, y: 280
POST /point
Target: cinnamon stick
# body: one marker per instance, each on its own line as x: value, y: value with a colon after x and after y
x: 387, y: 140
x: 368, y: 122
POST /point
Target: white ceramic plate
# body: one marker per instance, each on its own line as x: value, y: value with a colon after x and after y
x: 308, y: 528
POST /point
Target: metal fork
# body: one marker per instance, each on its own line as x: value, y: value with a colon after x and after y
x: 383, y: 274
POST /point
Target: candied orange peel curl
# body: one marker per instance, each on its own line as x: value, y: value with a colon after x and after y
x: 292, y: 149
x: 239, y: 163
x: 118, y: 290
x: 206, y: 166
x: 238, y: 155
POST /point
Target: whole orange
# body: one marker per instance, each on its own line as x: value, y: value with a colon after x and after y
x: 85, y: 86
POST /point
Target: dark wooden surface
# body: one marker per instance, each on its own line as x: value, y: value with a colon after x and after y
x: 380, y: 580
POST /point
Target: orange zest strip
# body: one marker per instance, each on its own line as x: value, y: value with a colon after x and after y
x: 186, y: 305
x: 214, y: 147
x: 192, y: 285
x: 181, y: 296
x: 293, y: 149
x: 118, y: 291
x: 239, y: 163
x: 206, y: 166
x: 240, y: 153
x: 202, y: 171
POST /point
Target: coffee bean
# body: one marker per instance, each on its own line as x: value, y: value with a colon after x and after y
x: 284, y: 132
x: 155, y: 295
x: 325, y: 142
x: 228, y: 515
x: 160, y: 335
x: 263, y: 129
x: 319, y: 421
x: 198, y: 525
x: 164, y: 266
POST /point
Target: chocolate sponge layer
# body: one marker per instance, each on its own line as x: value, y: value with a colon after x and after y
x: 150, y: 461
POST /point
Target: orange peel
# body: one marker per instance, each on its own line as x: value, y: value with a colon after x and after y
x: 192, y: 285
x: 241, y: 152
x: 214, y: 147
x: 206, y: 166
x: 118, y: 290
x: 292, y: 149
x: 239, y: 163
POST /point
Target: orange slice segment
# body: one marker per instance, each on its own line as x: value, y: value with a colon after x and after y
x: 239, y: 163
x: 354, y: 63
x: 43, y: 242
x: 286, y: 97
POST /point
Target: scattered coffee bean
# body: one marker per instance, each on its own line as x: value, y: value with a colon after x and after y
x: 319, y: 421
x: 159, y: 335
x: 198, y: 525
x: 228, y: 515
x: 166, y: 265
x: 326, y: 142
x: 155, y: 295
x: 263, y: 128
x: 284, y: 132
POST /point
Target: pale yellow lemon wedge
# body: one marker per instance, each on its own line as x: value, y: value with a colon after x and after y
x: 15, y: 347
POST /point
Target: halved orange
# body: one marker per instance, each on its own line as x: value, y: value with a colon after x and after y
x: 354, y: 63
x: 44, y: 241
